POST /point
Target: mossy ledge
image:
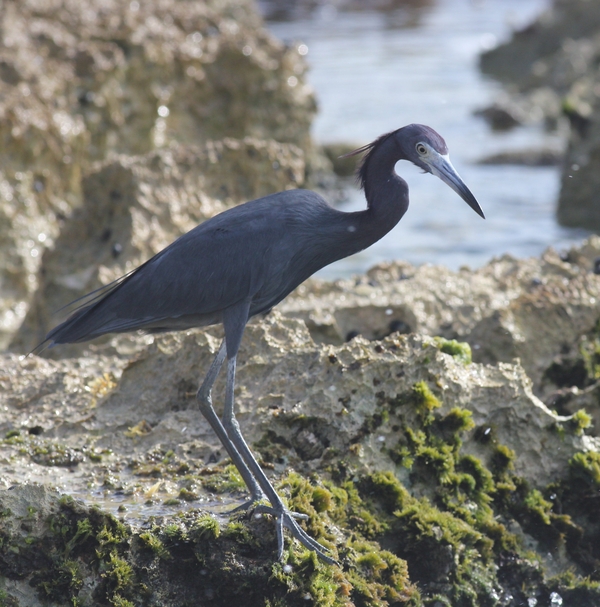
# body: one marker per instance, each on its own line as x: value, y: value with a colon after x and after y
x: 452, y: 548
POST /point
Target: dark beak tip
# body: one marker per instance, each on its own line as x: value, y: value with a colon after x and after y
x: 472, y: 202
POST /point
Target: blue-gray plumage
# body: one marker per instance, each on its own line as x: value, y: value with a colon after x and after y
x: 246, y: 260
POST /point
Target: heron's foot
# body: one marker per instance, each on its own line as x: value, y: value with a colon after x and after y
x: 286, y: 518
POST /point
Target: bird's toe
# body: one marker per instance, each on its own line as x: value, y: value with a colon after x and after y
x: 286, y: 518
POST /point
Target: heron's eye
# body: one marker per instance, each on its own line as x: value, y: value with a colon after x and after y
x: 421, y: 149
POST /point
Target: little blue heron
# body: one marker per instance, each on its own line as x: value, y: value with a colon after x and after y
x: 243, y: 262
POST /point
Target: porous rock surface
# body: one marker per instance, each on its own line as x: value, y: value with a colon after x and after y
x: 83, y: 81
x: 432, y: 478
x: 532, y: 309
x: 315, y: 399
x: 113, y: 430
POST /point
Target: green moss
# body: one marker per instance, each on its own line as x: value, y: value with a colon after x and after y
x: 48, y: 453
x: 380, y: 577
x: 154, y: 543
x: 118, y: 573
x: 539, y: 508
x: 589, y: 349
x: 438, y: 460
x: 586, y: 466
x: 66, y: 580
x: 112, y: 535
x: 457, y: 420
x: 84, y: 531
x: 580, y: 420
x: 424, y: 401
x: 239, y: 532
x: 174, y: 531
x: 118, y: 601
x: 459, y: 350
x: 502, y: 459
x: 321, y: 499
x: 575, y: 590
x: 187, y: 495
x: 205, y: 527
x: 94, y: 457
x: 12, y: 434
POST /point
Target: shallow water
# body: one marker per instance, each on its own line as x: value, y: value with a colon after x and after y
x: 376, y: 71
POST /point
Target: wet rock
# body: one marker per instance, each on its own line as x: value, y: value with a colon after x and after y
x: 562, y: 27
x: 580, y: 182
x: 320, y: 399
x: 499, y: 118
x: 531, y: 157
x: 356, y: 418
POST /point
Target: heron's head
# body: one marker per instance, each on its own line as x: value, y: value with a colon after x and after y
x: 427, y: 149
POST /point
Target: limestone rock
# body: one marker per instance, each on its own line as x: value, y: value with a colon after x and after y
x: 370, y: 414
x: 292, y: 392
x: 528, y: 309
x: 580, y: 182
x: 84, y: 81
x: 565, y: 24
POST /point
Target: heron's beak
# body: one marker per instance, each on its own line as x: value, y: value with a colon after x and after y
x: 442, y: 167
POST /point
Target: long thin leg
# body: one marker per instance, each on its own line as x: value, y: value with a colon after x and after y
x: 205, y: 404
x: 284, y: 517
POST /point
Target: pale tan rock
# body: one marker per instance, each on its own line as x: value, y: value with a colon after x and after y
x: 83, y: 81
x: 529, y: 309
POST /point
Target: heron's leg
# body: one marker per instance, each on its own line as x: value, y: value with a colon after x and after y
x: 283, y: 516
x: 205, y: 404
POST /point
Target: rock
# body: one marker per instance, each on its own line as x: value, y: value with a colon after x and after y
x: 332, y: 393
x: 499, y: 118
x: 82, y: 82
x: 553, y: 64
x: 531, y: 309
x: 538, y: 157
x: 361, y: 406
x: 355, y: 418
x: 335, y: 152
x: 40, y: 170
x: 580, y: 182
x: 560, y: 28
x: 59, y: 551
x: 134, y: 206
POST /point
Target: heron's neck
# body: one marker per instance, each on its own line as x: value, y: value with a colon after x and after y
x: 387, y: 201
x: 386, y: 194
